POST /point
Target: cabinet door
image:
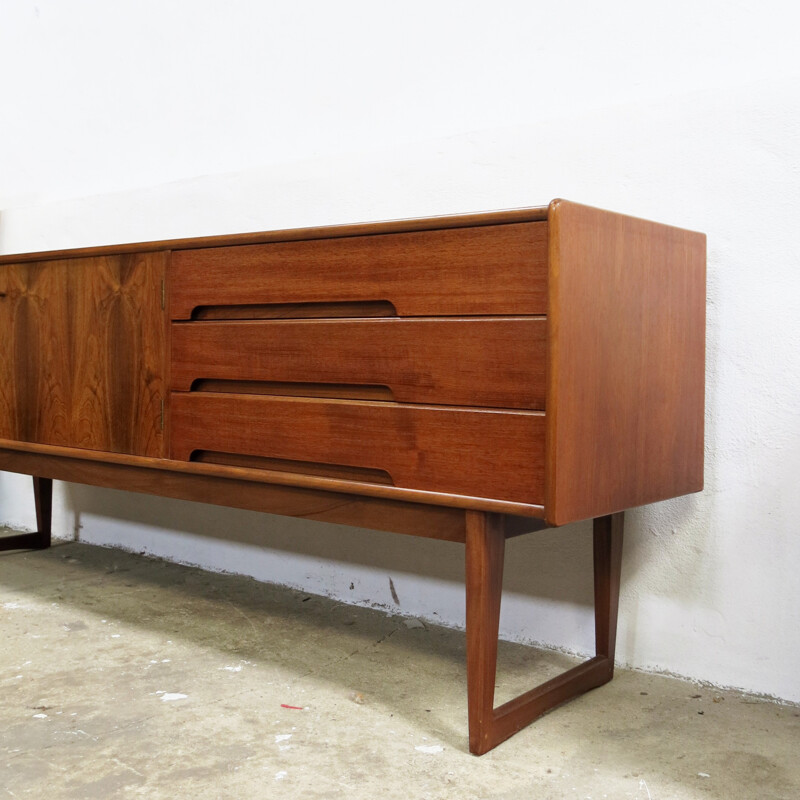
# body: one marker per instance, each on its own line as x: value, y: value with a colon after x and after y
x: 82, y: 353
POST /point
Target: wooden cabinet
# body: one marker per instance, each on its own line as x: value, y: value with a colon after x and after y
x: 465, y: 378
x: 82, y: 362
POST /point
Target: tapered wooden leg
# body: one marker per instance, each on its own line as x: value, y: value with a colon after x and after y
x: 489, y: 726
x: 607, y: 569
x: 40, y: 538
x: 486, y: 544
x: 43, y: 497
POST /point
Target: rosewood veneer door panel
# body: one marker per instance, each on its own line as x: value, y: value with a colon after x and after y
x: 493, y: 269
x: 85, y: 355
x: 484, y: 361
x: 32, y: 402
x: 479, y: 453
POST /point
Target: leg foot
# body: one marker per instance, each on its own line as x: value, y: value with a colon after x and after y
x: 40, y: 539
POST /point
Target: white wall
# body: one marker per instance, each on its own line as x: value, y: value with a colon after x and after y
x: 144, y: 120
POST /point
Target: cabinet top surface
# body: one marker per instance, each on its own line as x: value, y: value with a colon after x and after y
x: 531, y: 214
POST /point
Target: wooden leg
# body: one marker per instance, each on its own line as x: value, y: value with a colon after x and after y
x: 489, y: 726
x: 607, y: 568
x: 39, y: 539
x: 486, y: 543
x: 43, y: 496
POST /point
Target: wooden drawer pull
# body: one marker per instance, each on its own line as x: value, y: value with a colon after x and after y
x: 356, y: 308
x: 341, y: 471
x: 344, y: 391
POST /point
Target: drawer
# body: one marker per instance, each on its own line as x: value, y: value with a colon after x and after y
x: 478, y: 453
x: 482, y: 361
x: 492, y: 270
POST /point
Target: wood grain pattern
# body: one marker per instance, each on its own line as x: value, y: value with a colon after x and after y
x: 83, y: 356
x: 626, y: 357
x: 513, y: 215
x: 34, y: 360
x: 496, y: 454
x: 164, y: 478
x: 496, y: 362
x: 496, y: 269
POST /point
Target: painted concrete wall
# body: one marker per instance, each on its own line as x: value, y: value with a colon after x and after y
x: 136, y: 121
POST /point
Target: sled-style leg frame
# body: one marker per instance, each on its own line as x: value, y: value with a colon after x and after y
x: 489, y: 726
x: 40, y: 538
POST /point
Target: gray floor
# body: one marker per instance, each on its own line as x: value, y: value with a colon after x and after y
x: 128, y: 677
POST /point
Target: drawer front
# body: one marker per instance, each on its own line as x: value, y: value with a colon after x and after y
x: 477, y: 453
x: 493, y: 269
x: 493, y: 362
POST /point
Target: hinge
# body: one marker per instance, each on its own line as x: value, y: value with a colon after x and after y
x: 163, y: 294
x: 162, y: 413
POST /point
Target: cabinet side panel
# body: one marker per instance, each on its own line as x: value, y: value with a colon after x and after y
x: 626, y: 360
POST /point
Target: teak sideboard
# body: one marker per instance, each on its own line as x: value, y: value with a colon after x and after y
x: 466, y: 378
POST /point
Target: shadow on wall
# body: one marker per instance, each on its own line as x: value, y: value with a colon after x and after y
x: 554, y: 564
x: 548, y: 573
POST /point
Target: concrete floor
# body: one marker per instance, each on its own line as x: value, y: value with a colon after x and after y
x: 124, y: 677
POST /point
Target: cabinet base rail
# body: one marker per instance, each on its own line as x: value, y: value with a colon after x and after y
x: 486, y: 533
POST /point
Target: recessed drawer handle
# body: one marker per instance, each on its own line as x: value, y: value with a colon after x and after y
x: 355, y: 308
x: 339, y: 471
x: 342, y: 391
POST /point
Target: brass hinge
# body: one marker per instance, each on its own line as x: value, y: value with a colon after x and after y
x: 162, y: 413
x: 163, y: 294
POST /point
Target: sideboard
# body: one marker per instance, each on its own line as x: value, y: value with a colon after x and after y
x: 467, y: 378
